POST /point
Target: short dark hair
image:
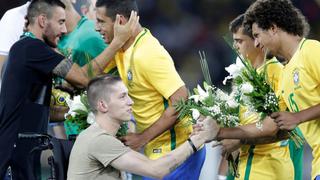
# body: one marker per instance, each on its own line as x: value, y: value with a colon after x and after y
x: 100, y: 87
x: 68, y: 4
x: 282, y: 13
x: 38, y: 7
x: 237, y: 23
x: 114, y: 7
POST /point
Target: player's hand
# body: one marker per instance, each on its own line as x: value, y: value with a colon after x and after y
x: 134, y: 140
x: 207, y: 128
x: 123, y: 31
x: 285, y: 120
x: 229, y: 146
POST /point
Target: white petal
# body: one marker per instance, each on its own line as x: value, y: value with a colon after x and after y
x: 91, y: 118
x: 195, y: 114
x: 201, y: 91
x: 195, y: 98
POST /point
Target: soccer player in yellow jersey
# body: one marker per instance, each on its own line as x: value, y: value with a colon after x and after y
x: 257, y: 161
x: 281, y: 30
x: 154, y: 85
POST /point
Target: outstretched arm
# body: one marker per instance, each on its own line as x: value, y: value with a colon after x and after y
x: 281, y: 135
x: 250, y: 131
x: 230, y: 145
x: 137, y: 163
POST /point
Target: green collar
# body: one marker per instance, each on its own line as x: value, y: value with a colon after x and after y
x: 29, y: 34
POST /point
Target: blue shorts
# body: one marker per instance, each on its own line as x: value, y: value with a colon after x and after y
x: 190, y: 169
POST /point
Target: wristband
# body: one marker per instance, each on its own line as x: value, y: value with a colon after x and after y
x: 192, y: 145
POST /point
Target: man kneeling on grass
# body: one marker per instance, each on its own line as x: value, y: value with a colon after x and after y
x: 98, y: 154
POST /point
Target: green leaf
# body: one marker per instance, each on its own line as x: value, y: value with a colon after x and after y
x: 81, y: 112
x: 123, y: 130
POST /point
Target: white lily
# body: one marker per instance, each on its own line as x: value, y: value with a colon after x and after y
x: 91, y: 118
x: 221, y: 95
x: 202, y: 94
x: 247, y: 88
x: 234, y: 70
x: 195, y: 98
x: 195, y: 114
x: 76, y: 104
x: 239, y: 62
x: 72, y: 114
x: 224, y: 82
x: 216, y: 109
x: 232, y: 103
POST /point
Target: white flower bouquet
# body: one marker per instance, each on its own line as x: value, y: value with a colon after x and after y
x: 255, y: 92
x: 79, y: 111
x: 213, y: 102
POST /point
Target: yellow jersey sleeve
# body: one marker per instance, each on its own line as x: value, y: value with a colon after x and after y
x: 311, y: 52
x: 111, y: 66
x: 160, y: 71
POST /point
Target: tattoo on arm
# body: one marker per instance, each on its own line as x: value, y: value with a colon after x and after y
x: 63, y: 68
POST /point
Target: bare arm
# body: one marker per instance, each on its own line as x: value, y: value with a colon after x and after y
x: 281, y: 135
x: 137, y: 163
x: 165, y: 122
x: 79, y: 76
x: 309, y: 114
x: 230, y: 145
x: 269, y: 129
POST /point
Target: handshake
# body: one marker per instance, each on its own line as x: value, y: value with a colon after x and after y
x: 206, y: 129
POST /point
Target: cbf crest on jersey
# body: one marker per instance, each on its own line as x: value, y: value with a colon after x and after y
x: 130, y: 77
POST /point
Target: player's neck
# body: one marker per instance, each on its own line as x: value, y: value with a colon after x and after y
x: 259, y: 60
x: 289, y: 45
x: 36, y: 32
x: 132, y: 38
x: 108, y: 124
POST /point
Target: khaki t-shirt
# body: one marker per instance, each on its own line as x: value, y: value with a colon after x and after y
x: 92, y: 154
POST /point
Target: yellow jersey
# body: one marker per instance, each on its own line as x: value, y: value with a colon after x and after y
x: 300, y: 89
x: 265, y: 161
x: 149, y: 73
x: 111, y: 67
